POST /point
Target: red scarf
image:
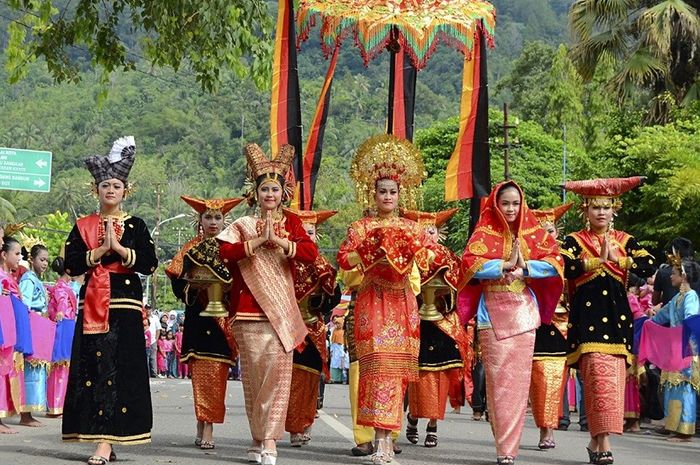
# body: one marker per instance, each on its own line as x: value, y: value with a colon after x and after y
x: 493, y: 240
x: 98, y: 290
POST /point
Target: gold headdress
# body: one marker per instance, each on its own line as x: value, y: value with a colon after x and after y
x: 551, y: 215
x: 262, y: 169
x: 387, y: 157
x: 13, y: 228
x: 428, y: 219
x: 675, y: 260
x: 28, y: 241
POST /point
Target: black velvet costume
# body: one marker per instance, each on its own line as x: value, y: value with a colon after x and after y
x: 108, y: 397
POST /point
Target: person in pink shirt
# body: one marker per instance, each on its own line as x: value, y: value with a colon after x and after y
x: 62, y: 309
x: 182, y: 367
x: 632, y: 399
x: 163, y: 349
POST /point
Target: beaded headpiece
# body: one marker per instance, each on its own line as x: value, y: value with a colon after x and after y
x: 387, y: 157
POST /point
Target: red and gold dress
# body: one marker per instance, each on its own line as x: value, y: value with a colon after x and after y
x: 386, y: 314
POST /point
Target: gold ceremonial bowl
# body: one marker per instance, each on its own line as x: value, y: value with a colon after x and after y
x: 428, y: 311
x: 203, y: 277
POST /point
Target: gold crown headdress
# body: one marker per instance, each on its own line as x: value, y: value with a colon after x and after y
x: 675, y: 260
x: 28, y: 241
x: 387, y: 157
x: 262, y: 169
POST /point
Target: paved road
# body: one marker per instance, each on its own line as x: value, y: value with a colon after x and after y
x: 462, y: 441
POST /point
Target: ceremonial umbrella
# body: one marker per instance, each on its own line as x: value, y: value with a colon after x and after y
x: 417, y: 25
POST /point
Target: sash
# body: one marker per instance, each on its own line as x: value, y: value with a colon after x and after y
x: 65, y: 329
x: 98, y: 290
x: 23, y: 331
x: 269, y: 277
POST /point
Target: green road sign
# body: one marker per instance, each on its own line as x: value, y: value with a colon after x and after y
x: 25, y: 170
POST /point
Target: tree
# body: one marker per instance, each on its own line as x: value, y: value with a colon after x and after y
x: 206, y: 35
x: 653, y: 44
x: 564, y: 94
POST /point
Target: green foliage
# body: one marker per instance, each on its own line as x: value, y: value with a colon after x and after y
x: 207, y: 36
x: 53, y: 230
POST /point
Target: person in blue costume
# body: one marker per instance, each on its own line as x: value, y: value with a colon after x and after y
x: 681, y: 387
x: 34, y: 297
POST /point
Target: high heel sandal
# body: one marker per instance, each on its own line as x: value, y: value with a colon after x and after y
x: 592, y: 456
x: 268, y: 457
x: 411, y: 429
x: 505, y: 460
x: 254, y: 454
x: 605, y: 458
x: 431, y: 438
x: 383, y: 452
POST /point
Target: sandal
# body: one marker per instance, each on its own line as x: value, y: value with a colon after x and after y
x: 506, y: 460
x: 546, y: 444
x: 412, y: 429
x: 605, y: 458
x: 431, y: 438
x: 206, y: 445
x: 97, y: 460
x: 592, y: 456
x: 197, y: 442
x: 112, y: 456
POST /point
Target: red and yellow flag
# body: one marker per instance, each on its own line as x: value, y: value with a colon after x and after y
x: 468, y: 171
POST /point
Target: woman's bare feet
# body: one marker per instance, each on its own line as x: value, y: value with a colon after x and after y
x: 26, y: 419
x: 4, y: 429
x: 680, y: 438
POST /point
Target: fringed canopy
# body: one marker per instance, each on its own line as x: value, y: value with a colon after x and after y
x: 417, y: 25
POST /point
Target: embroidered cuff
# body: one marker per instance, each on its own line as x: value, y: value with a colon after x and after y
x: 89, y: 260
x: 625, y: 262
x: 292, y: 251
x: 591, y: 264
x: 130, y: 259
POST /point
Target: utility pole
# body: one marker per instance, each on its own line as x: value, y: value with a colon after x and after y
x: 156, y: 233
x: 563, y: 189
x: 506, y: 145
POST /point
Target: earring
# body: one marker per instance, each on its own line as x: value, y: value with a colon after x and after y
x: 588, y: 224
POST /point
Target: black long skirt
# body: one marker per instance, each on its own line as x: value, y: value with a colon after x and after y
x: 109, y: 397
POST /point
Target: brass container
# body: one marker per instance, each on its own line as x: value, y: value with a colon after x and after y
x: 428, y: 311
x: 203, y: 277
x: 309, y: 318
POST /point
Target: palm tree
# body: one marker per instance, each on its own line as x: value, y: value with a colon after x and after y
x: 653, y: 43
x: 7, y: 210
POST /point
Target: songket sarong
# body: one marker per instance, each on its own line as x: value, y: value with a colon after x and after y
x: 267, y: 376
x: 56, y: 387
x: 604, y: 392
x: 302, y: 400
x: 209, y: 379
x: 547, y: 390
x: 11, y: 385
x: 428, y: 396
x: 508, y: 365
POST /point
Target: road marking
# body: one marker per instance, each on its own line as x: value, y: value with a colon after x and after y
x: 341, y: 429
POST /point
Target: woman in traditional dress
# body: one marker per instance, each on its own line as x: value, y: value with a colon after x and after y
x: 259, y: 250
x: 207, y: 342
x: 444, y: 343
x: 63, y: 307
x: 386, y: 170
x: 549, y: 362
x: 11, y: 365
x: 681, y: 387
x: 35, y: 298
x: 518, y: 282
x: 108, y: 399
x: 597, y: 260
x: 317, y: 294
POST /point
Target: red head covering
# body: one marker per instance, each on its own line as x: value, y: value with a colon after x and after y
x: 312, y: 216
x: 605, y: 188
x: 431, y: 218
x: 493, y: 240
x: 552, y: 215
x: 201, y: 205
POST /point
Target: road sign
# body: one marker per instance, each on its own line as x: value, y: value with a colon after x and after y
x: 25, y: 170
